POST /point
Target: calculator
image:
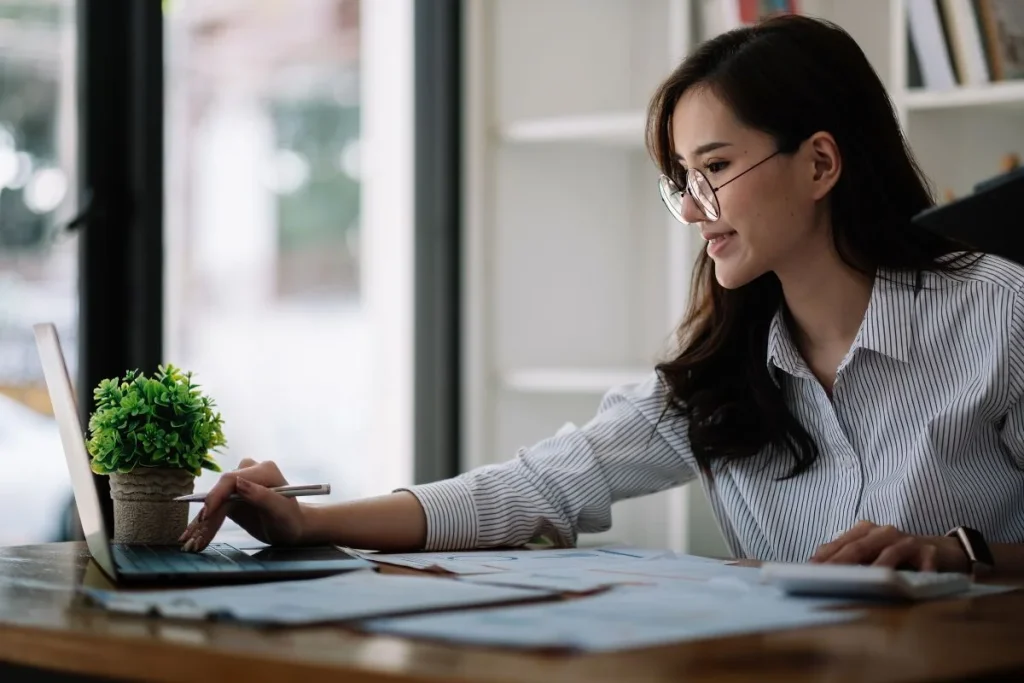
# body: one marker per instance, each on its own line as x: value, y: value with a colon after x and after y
x: 859, y: 581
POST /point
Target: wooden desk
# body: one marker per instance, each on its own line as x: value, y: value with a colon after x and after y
x: 43, y: 625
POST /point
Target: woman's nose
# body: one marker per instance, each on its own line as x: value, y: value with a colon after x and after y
x: 692, y: 213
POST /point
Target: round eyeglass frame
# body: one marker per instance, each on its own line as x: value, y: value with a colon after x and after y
x: 704, y: 194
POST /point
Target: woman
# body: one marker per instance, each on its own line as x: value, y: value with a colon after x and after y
x: 849, y: 386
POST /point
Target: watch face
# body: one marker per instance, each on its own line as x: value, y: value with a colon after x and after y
x: 978, y: 545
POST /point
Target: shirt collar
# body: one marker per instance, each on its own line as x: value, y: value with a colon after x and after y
x: 887, y: 328
x: 782, y: 350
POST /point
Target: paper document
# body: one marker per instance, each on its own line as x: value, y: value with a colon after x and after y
x: 493, y: 561
x: 345, y: 597
x: 981, y: 590
x: 622, y: 618
x: 681, y: 571
x: 665, y: 573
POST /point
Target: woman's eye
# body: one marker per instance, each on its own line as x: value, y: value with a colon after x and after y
x: 716, y: 166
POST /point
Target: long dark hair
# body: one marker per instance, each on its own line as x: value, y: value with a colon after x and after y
x: 789, y: 76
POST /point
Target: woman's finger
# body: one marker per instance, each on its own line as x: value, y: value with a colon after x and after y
x: 928, y: 558
x: 264, y: 473
x: 867, y: 548
x: 276, y: 515
x: 207, y: 529
x: 193, y: 525
x: 217, y: 508
x: 906, y: 551
x: 262, y: 497
x: 855, y: 533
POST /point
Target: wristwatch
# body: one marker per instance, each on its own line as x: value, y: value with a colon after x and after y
x: 976, y: 549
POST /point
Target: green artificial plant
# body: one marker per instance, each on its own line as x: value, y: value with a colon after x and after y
x: 163, y: 421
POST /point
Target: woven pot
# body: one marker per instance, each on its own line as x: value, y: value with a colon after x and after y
x: 143, y: 509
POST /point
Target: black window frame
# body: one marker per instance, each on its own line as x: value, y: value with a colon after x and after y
x: 121, y: 164
x: 438, y: 30
x: 120, y: 81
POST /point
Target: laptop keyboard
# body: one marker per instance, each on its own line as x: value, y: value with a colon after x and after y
x: 217, y: 557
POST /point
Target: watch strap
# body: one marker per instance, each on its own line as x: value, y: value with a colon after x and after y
x: 973, y: 543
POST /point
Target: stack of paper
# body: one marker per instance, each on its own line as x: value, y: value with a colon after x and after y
x: 495, y: 561
x: 681, y: 572
x: 345, y: 597
x: 623, y: 618
x: 617, y: 598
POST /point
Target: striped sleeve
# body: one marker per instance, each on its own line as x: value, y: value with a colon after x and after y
x: 563, y: 485
x: 1012, y: 434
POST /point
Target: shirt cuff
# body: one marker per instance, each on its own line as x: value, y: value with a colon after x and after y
x: 452, y: 521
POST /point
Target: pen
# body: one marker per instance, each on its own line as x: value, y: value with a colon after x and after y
x: 291, y: 491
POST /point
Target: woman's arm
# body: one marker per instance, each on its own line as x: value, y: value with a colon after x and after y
x: 1009, y: 557
x: 566, y: 484
x: 394, y: 523
x: 391, y: 523
x: 869, y: 543
x: 561, y: 486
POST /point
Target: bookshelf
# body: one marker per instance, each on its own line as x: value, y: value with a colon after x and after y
x: 615, y: 128
x: 961, y: 133
x: 1005, y: 95
x: 574, y: 380
x: 575, y: 274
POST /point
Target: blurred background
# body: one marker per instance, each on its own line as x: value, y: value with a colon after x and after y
x: 263, y: 294
x: 393, y: 239
x: 38, y: 268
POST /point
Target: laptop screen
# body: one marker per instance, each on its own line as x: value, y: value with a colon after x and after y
x: 72, y: 436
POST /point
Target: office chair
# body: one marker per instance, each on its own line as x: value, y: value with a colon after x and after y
x: 989, y: 219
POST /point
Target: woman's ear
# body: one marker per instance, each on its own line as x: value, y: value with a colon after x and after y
x: 826, y: 163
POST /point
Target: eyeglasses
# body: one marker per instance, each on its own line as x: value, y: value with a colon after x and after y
x: 700, y: 188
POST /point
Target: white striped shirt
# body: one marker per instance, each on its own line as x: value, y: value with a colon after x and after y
x: 925, y: 431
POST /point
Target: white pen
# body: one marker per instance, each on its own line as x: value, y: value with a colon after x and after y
x: 291, y: 491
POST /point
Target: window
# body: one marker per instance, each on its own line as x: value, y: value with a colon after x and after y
x: 286, y: 245
x: 38, y: 262
x: 270, y: 294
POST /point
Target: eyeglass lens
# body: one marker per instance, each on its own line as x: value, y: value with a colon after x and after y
x: 698, y: 187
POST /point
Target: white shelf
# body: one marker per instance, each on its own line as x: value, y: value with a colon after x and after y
x: 618, y: 129
x: 999, y: 94
x: 571, y: 380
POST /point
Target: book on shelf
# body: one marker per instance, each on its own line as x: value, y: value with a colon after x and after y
x: 963, y: 36
x: 719, y: 16
x: 752, y: 11
x: 964, y: 42
x: 1001, y: 24
x: 928, y: 41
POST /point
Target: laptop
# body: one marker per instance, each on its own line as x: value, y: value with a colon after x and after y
x: 131, y: 564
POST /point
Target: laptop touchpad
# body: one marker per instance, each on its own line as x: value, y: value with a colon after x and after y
x: 277, y: 555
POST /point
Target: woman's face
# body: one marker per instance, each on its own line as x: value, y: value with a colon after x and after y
x: 767, y: 218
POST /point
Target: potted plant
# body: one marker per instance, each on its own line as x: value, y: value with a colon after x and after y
x: 153, y: 436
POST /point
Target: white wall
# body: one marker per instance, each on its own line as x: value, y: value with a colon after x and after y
x: 387, y: 241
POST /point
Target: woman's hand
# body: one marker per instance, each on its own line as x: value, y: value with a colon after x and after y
x: 268, y: 516
x: 887, y: 546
